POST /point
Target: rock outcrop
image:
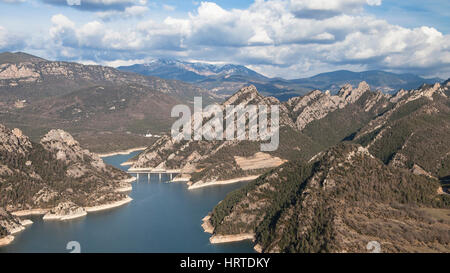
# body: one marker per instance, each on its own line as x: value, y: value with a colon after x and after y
x: 316, y: 105
x: 67, y: 149
x: 35, y: 176
x: 10, y: 225
x: 13, y: 141
x: 65, y: 211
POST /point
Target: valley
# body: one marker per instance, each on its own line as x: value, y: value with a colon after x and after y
x: 88, y: 101
x: 355, y: 162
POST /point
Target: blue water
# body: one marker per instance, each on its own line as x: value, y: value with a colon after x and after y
x: 163, y: 217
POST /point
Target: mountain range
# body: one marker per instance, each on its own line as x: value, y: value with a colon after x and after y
x: 225, y: 79
x: 88, y: 101
x: 356, y: 162
x: 91, y: 101
x: 314, y: 122
x: 350, y: 168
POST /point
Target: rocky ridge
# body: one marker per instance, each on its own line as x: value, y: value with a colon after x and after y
x: 55, y: 177
x: 297, y: 116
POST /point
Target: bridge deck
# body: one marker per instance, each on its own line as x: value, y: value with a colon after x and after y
x: 152, y: 171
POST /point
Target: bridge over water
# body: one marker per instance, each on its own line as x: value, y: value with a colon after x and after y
x: 150, y: 171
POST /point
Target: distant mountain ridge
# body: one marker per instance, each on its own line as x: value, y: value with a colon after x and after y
x: 9, y: 57
x: 387, y: 82
x: 38, y: 95
x: 225, y: 79
x: 190, y: 71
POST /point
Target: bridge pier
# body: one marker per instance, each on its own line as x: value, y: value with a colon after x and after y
x: 137, y: 177
x: 160, y: 176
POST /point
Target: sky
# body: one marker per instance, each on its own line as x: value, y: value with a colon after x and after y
x: 278, y: 38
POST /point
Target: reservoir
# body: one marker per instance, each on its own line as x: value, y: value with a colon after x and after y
x: 163, y: 217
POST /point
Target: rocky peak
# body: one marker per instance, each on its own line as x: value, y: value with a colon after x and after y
x: 364, y: 86
x: 244, y: 95
x: 317, y: 105
x: 248, y: 89
x: 17, y: 132
x: 63, y: 144
x: 298, y: 103
x: 68, y: 149
x: 60, y: 136
x: 351, y: 95
x: 435, y: 89
x: 345, y: 90
x: 13, y: 141
x: 427, y: 91
x: 400, y: 94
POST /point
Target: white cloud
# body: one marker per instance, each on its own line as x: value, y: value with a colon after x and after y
x: 321, y: 9
x: 117, y: 63
x: 278, y: 37
x: 91, y: 36
x: 3, y: 37
x: 136, y: 10
x: 63, y: 31
x: 10, y: 41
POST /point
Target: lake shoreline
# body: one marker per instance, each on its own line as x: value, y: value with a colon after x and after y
x: 47, y: 217
x: 122, y: 152
x: 220, y: 239
x: 19, y: 243
x: 38, y: 212
x: 58, y: 217
x: 30, y: 212
x: 109, y: 206
x: 23, y: 224
x: 222, y: 182
x: 6, y: 240
x: 206, y: 225
x: 223, y: 239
